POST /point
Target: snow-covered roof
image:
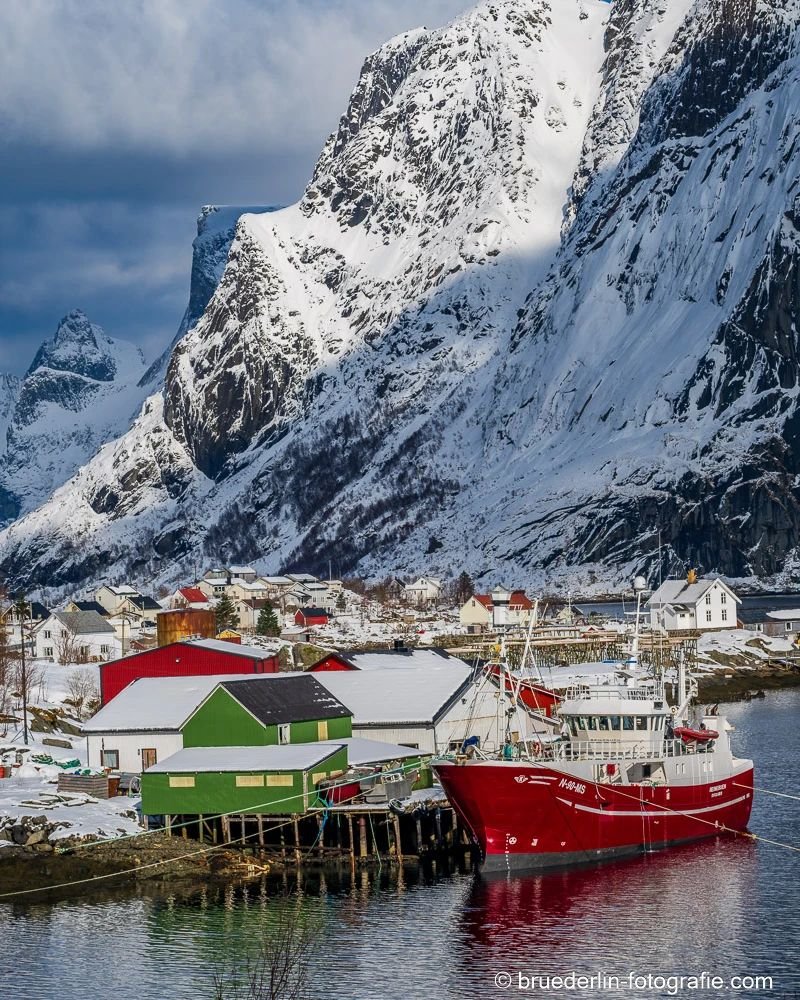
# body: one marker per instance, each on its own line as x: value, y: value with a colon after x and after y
x: 157, y: 703
x: 241, y: 570
x: 415, y: 695
x: 785, y: 614
x: 392, y: 659
x: 683, y: 592
x: 83, y: 622
x: 278, y: 581
x: 292, y: 757
x: 124, y: 590
x: 234, y: 648
x: 361, y: 751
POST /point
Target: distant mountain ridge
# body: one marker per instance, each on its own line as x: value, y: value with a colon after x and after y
x: 535, y: 315
x: 84, y: 389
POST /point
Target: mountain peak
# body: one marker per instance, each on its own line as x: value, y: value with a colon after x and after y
x: 80, y: 347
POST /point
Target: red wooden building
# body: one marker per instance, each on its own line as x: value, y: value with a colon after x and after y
x: 310, y: 616
x: 332, y: 662
x: 189, y: 658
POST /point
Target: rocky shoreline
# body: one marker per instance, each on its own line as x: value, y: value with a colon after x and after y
x: 742, y: 684
x: 40, y: 867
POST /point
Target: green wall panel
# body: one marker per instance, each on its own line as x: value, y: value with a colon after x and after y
x: 216, y: 792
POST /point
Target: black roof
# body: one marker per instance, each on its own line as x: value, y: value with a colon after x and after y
x: 313, y: 612
x: 145, y: 603
x: 91, y: 606
x: 286, y: 699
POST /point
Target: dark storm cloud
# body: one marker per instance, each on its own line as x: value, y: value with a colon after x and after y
x: 120, y: 120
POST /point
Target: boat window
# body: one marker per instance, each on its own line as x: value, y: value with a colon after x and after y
x: 582, y: 724
x: 604, y: 723
x: 592, y: 720
x: 627, y: 722
x: 641, y: 722
x: 615, y: 723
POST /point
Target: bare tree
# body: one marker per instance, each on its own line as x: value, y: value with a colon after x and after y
x: 278, y: 969
x: 68, y: 650
x: 82, y: 692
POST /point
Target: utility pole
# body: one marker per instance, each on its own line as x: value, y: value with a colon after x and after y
x: 21, y: 606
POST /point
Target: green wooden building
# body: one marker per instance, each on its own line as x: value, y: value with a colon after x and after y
x: 278, y: 780
x: 274, y: 710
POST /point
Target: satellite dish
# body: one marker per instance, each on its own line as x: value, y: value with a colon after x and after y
x: 639, y: 584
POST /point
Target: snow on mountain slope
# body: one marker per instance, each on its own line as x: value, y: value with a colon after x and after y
x: 84, y: 389
x: 216, y: 227
x: 653, y: 384
x: 538, y: 304
x: 376, y: 304
x: 79, y: 391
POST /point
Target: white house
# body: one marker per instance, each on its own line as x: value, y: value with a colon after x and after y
x: 693, y: 604
x: 14, y: 623
x: 500, y: 609
x: 423, y: 591
x: 112, y: 598
x: 77, y: 637
x: 431, y: 708
x: 141, y: 726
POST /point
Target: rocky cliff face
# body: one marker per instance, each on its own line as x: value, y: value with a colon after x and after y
x: 536, y: 312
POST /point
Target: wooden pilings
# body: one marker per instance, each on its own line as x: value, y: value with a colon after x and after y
x: 359, y: 834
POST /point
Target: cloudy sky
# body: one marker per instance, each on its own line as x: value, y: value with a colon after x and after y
x: 120, y: 119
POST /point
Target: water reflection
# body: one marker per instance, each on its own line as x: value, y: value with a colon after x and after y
x: 728, y: 906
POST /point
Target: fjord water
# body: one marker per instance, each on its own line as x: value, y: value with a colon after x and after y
x: 728, y: 907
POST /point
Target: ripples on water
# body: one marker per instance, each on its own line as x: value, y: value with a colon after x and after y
x: 726, y: 907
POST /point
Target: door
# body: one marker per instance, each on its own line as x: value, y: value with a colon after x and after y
x: 149, y: 757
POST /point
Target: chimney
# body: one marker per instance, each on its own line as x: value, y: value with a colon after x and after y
x: 691, y: 576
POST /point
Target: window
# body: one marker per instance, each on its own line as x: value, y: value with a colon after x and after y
x: 322, y: 729
x: 105, y: 649
x: 48, y: 634
x: 788, y: 626
x: 724, y: 614
x: 149, y: 757
x: 181, y: 781
x: 603, y: 723
x: 641, y: 722
x: 110, y: 758
x: 615, y: 723
x: 280, y: 780
x: 284, y: 733
x: 723, y: 598
x: 48, y: 650
x: 708, y: 598
x: 249, y: 780
x: 708, y: 616
x: 627, y: 722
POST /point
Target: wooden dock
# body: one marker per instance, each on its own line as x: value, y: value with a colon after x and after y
x: 359, y: 833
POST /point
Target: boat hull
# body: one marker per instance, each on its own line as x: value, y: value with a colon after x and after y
x: 529, y: 816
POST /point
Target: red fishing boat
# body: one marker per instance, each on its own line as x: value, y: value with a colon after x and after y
x: 626, y: 774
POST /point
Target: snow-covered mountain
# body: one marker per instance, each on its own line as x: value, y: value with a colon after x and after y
x: 84, y: 389
x: 79, y: 391
x: 537, y: 306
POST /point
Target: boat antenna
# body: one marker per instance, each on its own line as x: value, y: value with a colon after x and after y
x: 639, y: 587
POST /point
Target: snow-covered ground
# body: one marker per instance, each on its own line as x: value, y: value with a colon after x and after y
x: 739, y: 648
x: 381, y: 626
x: 31, y: 790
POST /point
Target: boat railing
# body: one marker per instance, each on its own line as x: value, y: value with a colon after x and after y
x: 587, y: 692
x: 613, y: 750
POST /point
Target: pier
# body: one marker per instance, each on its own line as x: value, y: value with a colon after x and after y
x: 359, y: 832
